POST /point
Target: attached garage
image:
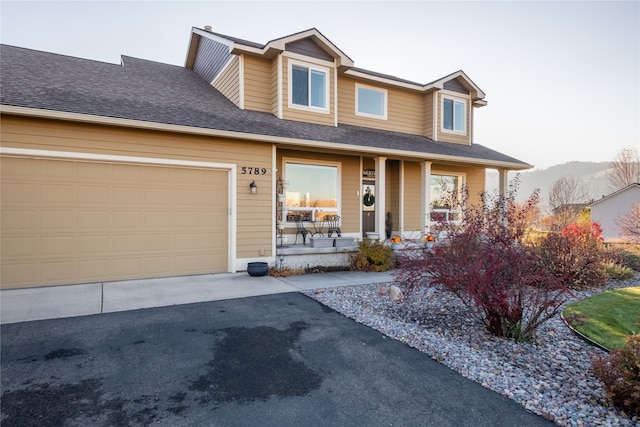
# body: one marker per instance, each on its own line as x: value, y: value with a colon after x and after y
x: 76, y: 218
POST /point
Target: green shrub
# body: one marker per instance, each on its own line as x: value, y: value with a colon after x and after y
x: 372, y: 256
x: 619, y: 371
x: 617, y: 271
x: 625, y: 257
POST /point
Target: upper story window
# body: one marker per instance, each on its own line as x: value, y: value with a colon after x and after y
x: 308, y: 86
x: 454, y: 115
x: 371, y: 102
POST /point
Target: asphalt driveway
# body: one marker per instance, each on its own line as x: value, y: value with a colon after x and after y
x: 276, y: 360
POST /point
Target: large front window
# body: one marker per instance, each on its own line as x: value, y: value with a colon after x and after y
x: 453, y: 115
x: 445, y: 197
x: 313, y: 190
x: 309, y: 86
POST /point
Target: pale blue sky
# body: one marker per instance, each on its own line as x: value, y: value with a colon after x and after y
x: 561, y: 78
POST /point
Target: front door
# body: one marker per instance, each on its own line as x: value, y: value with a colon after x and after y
x: 368, y: 206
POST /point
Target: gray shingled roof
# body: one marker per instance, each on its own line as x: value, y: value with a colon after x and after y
x: 160, y: 93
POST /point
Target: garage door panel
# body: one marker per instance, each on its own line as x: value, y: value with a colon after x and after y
x: 127, y: 242
x: 58, y: 245
x: 57, y: 193
x: 92, y: 245
x: 57, y: 220
x: 71, y: 222
x: 94, y: 194
x: 94, y: 219
x: 19, y: 192
x: 58, y: 170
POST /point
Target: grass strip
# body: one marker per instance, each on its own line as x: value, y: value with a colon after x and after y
x: 607, y: 318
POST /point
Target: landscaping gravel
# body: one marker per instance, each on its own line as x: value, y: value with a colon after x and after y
x: 551, y: 377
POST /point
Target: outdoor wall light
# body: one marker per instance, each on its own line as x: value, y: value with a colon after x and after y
x: 253, y: 188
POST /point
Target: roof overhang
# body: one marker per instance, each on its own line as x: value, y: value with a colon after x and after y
x: 294, y: 142
x: 269, y: 50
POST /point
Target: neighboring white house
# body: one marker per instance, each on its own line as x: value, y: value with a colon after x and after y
x: 610, y: 209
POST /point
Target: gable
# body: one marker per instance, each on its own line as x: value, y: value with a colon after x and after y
x: 308, y: 47
x: 210, y: 59
x: 456, y: 85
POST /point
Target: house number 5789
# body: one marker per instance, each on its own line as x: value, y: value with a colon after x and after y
x: 253, y: 171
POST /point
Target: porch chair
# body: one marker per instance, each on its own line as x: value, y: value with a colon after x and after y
x: 300, y: 230
x: 333, y: 222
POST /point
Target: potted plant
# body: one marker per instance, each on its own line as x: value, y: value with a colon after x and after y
x: 388, y: 224
x: 396, y: 242
x: 429, y: 241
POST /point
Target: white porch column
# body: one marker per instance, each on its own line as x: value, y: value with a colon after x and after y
x: 425, y: 202
x: 503, y: 181
x: 381, y: 174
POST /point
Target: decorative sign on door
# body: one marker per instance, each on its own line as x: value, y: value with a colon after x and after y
x: 369, y: 197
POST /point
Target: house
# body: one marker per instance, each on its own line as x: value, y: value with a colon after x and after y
x: 609, y: 210
x: 142, y: 169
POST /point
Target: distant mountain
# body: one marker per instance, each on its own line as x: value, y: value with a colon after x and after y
x: 595, y: 176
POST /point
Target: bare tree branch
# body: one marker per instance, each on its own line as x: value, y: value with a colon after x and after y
x: 629, y: 225
x: 625, y: 169
x: 567, y: 196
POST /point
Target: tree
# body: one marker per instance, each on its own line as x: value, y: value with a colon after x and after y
x: 629, y: 225
x: 625, y: 169
x: 567, y: 196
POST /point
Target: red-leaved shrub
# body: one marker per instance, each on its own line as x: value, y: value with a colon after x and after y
x: 576, y: 255
x: 619, y: 371
x: 484, y: 263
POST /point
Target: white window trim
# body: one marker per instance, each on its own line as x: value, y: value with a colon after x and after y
x: 385, y: 102
x: 313, y: 162
x: 466, y: 113
x: 291, y: 63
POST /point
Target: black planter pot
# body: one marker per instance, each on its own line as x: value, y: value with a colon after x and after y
x: 257, y: 268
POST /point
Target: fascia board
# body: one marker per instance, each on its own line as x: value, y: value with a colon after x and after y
x: 324, y: 145
x: 384, y: 80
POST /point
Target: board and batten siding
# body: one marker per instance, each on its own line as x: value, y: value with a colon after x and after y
x: 258, y: 84
x: 447, y: 135
x: 405, y: 110
x: 211, y: 58
x: 254, y: 211
x: 303, y: 114
x: 228, y: 82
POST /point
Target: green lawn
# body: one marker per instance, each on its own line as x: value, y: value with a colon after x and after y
x: 610, y: 316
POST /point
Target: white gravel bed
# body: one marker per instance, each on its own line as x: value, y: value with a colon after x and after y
x: 551, y: 377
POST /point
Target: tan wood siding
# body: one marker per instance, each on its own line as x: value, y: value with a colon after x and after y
x: 254, y: 212
x: 405, y: 109
x: 228, y: 83
x: 304, y: 115
x: 428, y: 115
x: 258, y: 84
x: 448, y: 136
x: 412, y: 196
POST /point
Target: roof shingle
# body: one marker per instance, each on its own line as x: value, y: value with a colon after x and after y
x: 160, y: 93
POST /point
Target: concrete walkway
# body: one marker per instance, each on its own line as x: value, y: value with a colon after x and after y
x: 23, y: 305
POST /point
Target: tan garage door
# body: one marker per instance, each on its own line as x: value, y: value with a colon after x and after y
x: 69, y: 221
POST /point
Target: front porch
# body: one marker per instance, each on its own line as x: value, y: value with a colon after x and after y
x: 317, y: 252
